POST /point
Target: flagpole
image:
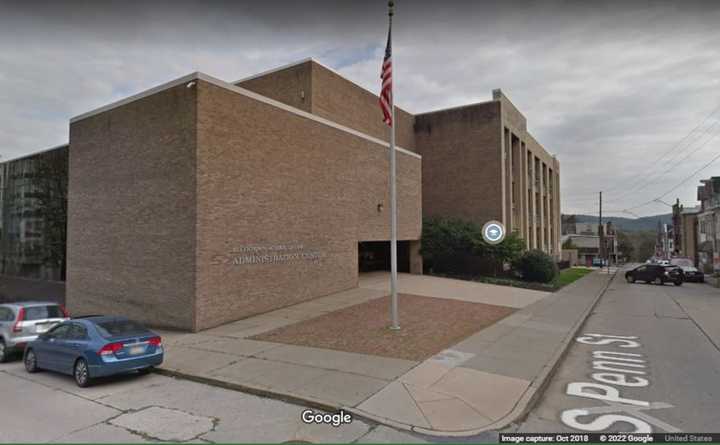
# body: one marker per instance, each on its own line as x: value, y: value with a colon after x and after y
x: 393, y: 202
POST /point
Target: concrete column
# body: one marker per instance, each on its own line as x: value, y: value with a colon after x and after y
x: 558, y: 214
x: 507, y: 166
x: 533, y: 204
x: 517, y: 188
x: 527, y: 191
x: 543, y: 189
x: 416, y: 261
x: 547, y: 209
x: 522, y: 189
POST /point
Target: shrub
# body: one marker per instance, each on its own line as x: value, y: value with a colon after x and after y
x: 536, y: 265
x: 447, y: 244
x: 507, y: 251
x: 457, y: 247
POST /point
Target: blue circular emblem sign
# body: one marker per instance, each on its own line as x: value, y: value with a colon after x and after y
x: 493, y: 232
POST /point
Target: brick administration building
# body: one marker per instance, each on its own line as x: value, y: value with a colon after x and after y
x: 200, y: 202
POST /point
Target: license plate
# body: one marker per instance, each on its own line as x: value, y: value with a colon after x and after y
x: 135, y: 350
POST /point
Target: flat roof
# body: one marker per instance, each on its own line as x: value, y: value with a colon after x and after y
x: 17, y: 158
x: 228, y: 86
x: 279, y: 68
x: 457, y: 107
x: 317, y: 62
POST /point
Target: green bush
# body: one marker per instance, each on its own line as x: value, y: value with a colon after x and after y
x: 536, y: 265
x: 457, y: 247
x: 447, y: 244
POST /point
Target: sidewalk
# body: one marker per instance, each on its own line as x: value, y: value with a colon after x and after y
x: 483, y: 382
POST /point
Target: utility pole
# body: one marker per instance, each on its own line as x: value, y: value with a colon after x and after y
x: 601, y: 235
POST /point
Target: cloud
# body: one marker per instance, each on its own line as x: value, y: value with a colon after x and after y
x: 607, y: 87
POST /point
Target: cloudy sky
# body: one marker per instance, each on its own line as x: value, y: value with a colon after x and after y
x: 626, y: 94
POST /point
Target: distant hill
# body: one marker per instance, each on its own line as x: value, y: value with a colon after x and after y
x: 629, y: 224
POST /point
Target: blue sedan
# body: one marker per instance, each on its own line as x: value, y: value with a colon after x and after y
x: 95, y: 346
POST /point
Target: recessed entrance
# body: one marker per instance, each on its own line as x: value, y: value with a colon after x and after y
x: 375, y: 255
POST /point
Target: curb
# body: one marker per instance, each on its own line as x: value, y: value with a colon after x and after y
x: 540, y: 383
x: 520, y: 410
x: 526, y: 401
x: 256, y: 391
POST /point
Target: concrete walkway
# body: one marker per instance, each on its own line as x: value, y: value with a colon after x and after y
x: 484, y: 382
x: 438, y: 287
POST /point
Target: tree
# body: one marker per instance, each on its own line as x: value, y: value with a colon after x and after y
x: 625, y: 245
x: 644, y: 245
x: 507, y: 251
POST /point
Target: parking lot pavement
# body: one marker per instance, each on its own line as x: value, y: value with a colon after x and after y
x: 47, y: 407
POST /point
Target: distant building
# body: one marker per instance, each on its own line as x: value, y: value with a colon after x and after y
x: 33, y: 215
x: 684, y: 231
x: 570, y: 226
x: 688, y: 233
x: 708, y: 225
x: 588, y: 248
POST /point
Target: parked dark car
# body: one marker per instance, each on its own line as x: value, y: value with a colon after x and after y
x: 95, y: 346
x: 655, y: 273
x: 691, y: 273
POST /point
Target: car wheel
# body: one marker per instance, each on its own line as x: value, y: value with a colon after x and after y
x: 81, y: 373
x: 31, y: 361
x: 3, y: 351
x: 659, y: 281
x: 630, y: 279
x: 678, y: 283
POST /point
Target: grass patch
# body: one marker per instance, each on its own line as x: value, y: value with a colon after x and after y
x: 564, y: 278
x: 570, y: 275
x: 501, y: 281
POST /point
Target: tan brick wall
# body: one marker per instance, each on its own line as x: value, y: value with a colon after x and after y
x: 333, y: 97
x: 131, y: 211
x: 291, y: 86
x: 462, y: 162
x: 340, y: 100
x: 267, y: 177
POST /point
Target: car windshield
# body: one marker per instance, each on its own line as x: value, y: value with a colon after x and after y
x: 42, y: 312
x: 117, y: 328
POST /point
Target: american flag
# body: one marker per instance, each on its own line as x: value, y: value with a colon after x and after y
x: 386, y: 76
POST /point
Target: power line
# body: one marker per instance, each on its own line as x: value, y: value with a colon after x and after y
x: 677, y: 144
x: 671, y: 168
x: 634, y: 185
x: 653, y: 178
x: 677, y: 185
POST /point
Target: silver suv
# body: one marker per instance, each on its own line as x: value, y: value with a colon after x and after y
x: 23, y: 322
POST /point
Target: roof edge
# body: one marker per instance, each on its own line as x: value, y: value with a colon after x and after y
x: 456, y: 107
x: 229, y: 86
x: 274, y: 70
x: 35, y: 153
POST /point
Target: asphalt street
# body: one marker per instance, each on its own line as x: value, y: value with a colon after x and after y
x: 47, y: 407
x: 647, y: 358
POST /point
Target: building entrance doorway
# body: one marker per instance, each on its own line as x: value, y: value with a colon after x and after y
x: 375, y: 255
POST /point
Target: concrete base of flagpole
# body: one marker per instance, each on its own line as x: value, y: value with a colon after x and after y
x: 394, y: 328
